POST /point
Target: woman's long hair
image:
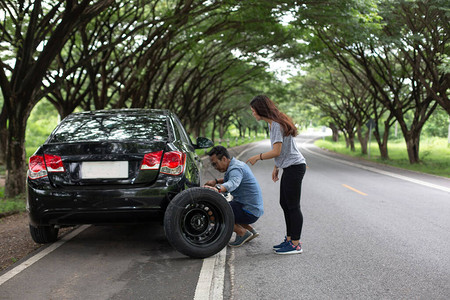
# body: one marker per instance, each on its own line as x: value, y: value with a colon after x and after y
x: 267, y: 109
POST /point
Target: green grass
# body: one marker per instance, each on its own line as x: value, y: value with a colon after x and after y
x: 434, y: 154
x: 11, y: 205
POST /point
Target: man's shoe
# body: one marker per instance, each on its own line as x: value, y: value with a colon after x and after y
x: 255, y: 234
x: 281, y: 245
x: 290, y: 248
x: 240, y: 240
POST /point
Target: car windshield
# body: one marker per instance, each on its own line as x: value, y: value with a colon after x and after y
x: 109, y: 127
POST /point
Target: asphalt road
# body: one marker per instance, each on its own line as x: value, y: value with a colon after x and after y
x: 367, y: 235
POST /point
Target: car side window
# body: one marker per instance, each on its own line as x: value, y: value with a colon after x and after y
x: 183, y: 135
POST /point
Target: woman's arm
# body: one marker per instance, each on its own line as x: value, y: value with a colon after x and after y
x: 275, y: 152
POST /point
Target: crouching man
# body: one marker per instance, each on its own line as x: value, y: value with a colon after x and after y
x: 239, y: 181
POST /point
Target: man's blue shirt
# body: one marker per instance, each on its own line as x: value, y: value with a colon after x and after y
x: 241, y: 183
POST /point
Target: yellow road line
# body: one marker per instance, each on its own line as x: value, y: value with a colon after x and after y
x: 355, y: 190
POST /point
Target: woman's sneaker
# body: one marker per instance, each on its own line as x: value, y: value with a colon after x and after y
x: 281, y: 245
x: 290, y: 248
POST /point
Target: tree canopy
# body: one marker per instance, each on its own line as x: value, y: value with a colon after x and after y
x: 373, y: 59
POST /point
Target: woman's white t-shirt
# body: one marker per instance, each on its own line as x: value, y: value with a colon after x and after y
x: 290, y: 155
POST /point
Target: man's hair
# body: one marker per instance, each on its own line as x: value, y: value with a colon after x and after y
x: 219, y: 151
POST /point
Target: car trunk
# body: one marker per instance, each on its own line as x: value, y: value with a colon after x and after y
x: 91, y: 164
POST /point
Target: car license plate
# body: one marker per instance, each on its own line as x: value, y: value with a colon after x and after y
x: 104, y: 169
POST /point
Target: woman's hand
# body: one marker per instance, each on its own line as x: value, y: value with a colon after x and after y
x: 275, y: 152
x: 253, y: 159
x: 275, y: 174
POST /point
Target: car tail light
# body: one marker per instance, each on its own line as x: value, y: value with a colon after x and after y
x: 54, y: 163
x: 36, y: 167
x: 39, y: 166
x: 173, y: 163
x: 151, y: 161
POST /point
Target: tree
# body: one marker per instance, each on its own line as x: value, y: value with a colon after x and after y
x: 112, y: 54
x: 363, y: 47
x: 37, y: 31
x: 323, y: 87
x: 423, y: 26
x: 393, y: 84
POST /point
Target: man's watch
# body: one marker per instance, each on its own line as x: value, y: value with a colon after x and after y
x: 218, y: 187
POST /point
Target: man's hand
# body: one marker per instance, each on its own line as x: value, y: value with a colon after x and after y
x: 210, y: 183
x: 210, y: 187
x: 275, y: 174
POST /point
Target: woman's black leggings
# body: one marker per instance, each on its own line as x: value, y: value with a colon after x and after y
x: 290, y: 192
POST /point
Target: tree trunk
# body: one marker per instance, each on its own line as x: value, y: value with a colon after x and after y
x: 16, y: 164
x: 196, y: 131
x: 203, y: 130
x: 363, y: 139
x: 335, y: 132
x: 213, y: 131
x: 221, y: 130
x: 3, y: 143
x: 448, y: 133
x: 239, y: 126
x: 412, y: 135
x: 412, y: 140
x: 382, y: 144
x: 351, y: 140
x: 3, y: 135
x: 347, y: 142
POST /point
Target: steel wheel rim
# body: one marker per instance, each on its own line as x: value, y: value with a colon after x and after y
x: 202, y: 223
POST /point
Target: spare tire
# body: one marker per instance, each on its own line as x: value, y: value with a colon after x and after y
x: 199, y: 222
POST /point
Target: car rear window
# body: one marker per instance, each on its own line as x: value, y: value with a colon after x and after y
x: 111, y: 127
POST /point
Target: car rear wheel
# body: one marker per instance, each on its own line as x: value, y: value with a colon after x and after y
x: 199, y: 222
x: 44, y: 234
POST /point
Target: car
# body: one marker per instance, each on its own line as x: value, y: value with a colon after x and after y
x: 125, y: 166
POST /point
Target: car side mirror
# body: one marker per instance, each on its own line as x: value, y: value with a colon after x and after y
x: 203, y: 143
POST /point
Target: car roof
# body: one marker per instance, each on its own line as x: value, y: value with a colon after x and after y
x: 131, y: 111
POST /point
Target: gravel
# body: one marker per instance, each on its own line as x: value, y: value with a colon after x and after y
x: 15, y: 239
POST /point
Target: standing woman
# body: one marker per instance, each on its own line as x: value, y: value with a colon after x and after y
x: 287, y: 157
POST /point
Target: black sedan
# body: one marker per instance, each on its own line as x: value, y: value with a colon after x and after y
x: 125, y: 166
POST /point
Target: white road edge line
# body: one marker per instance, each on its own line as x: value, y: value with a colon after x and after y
x: 212, y: 274
x: 212, y: 277
x: 431, y: 185
x: 16, y: 270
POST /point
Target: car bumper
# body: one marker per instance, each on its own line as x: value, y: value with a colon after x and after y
x: 98, y: 206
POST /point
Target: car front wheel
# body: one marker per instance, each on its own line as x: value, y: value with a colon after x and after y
x: 198, y: 222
